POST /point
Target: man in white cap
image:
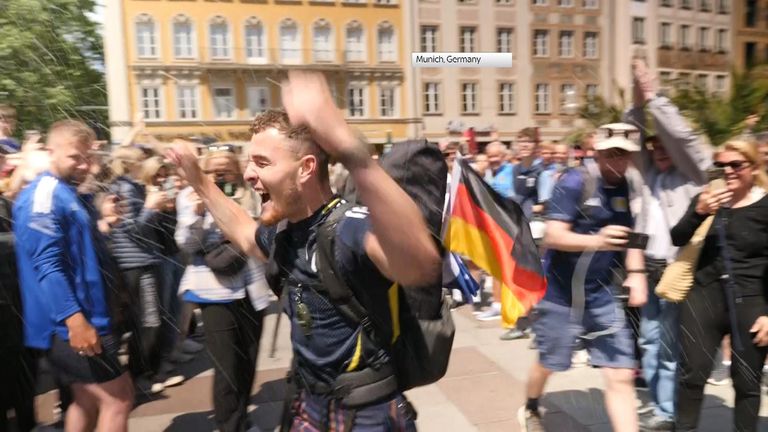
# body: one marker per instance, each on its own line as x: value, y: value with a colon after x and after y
x: 588, y: 226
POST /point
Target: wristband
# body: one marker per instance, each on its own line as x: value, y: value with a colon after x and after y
x: 643, y: 271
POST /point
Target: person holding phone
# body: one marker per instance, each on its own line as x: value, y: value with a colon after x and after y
x: 672, y: 162
x: 588, y: 225
x: 729, y: 291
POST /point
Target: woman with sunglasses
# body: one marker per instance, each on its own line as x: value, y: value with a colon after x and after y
x: 729, y: 291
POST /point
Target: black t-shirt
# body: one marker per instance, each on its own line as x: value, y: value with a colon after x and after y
x: 329, y: 348
x: 747, y: 238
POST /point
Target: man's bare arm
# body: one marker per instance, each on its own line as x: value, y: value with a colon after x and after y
x: 234, y: 221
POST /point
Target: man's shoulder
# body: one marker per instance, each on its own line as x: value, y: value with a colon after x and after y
x: 573, y: 177
x: 43, y: 195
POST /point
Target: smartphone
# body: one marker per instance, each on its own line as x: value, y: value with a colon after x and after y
x: 637, y: 241
x: 169, y: 186
x: 716, y: 177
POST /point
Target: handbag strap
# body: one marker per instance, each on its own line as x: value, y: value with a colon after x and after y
x: 729, y: 284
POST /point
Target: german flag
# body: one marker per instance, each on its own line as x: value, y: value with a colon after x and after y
x: 492, y: 232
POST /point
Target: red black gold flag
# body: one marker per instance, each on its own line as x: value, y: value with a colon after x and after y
x: 492, y: 232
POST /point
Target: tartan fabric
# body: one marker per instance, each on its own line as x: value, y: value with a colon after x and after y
x: 313, y: 413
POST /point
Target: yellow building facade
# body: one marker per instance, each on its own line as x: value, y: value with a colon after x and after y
x: 206, y: 68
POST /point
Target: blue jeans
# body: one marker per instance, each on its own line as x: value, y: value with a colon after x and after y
x: 659, y: 326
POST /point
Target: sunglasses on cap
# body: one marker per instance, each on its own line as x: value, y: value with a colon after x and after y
x: 737, y: 165
x: 223, y: 147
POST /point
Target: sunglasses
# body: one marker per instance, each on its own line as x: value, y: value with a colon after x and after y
x: 736, y: 166
x: 225, y: 148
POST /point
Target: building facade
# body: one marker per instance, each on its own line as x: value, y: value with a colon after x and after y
x: 202, y: 68
x: 684, y: 42
x: 750, y: 27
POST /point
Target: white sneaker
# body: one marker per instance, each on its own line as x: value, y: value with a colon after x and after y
x: 191, y: 347
x: 173, y: 380
x: 580, y: 358
x: 489, y: 314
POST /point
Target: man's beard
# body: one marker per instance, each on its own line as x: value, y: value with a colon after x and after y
x: 273, y: 211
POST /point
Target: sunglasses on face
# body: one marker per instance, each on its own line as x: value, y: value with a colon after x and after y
x: 736, y: 166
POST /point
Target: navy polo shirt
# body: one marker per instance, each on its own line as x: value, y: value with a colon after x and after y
x: 526, y: 187
x: 327, y: 349
x: 608, y: 205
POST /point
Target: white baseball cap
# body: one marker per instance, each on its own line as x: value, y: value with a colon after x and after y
x: 617, y: 135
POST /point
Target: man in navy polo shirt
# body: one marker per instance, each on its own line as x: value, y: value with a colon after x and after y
x: 584, y: 239
x: 288, y: 167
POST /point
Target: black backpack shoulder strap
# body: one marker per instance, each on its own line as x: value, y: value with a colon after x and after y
x: 337, y: 289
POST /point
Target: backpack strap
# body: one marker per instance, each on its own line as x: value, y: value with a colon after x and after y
x: 360, y: 387
x: 588, y: 188
x: 340, y: 294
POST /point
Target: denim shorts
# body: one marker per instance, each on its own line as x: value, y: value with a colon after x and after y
x: 608, y: 340
x: 74, y: 368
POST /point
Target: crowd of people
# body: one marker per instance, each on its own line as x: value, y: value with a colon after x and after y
x: 104, y: 257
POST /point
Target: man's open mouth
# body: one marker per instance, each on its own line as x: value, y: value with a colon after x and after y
x: 264, y: 197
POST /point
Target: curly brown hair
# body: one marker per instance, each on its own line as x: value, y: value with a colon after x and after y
x: 301, y: 137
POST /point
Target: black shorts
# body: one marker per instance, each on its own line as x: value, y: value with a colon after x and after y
x: 74, y: 368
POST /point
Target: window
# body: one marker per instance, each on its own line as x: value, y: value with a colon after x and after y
x: 565, y: 3
x: 224, y: 103
x: 722, y: 41
x: 706, y: 5
x: 503, y: 1
x: 665, y: 35
x: 146, y: 36
x: 151, y: 105
x: 355, y: 42
x: 702, y: 81
x: 183, y: 37
x: 186, y: 102
x: 504, y: 40
x: 685, y: 37
x: 704, y: 39
x: 431, y: 98
x: 591, y: 4
x: 429, y: 39
x: 591, y: 91
x: 720, y: 81
x: 322, y: 42
x: 542, y: 98
x: 568, y: 97
x: 751, y: 15
x: 290, y: 42
x: 566, y: 44
x: 356, y: 100
x: 540, y: 43
x: 255, y: 40
x: 506, y: 98
x: 467, y: 39
x: 638, y: 30
x: 219, y: 35
x: 686, y: 4
x: 386, y: 40
x: 539, y: 2
x: 666, y: 3
x: 590, y: 45
x: 469, y: 98
x: 386, y: 101
x: 750, y: 53
x: 723, y: 6
x: 258, y: 99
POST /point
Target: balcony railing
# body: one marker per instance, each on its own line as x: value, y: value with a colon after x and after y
x: 283, y: 56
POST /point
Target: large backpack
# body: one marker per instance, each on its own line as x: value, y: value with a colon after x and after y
x: 421, y: 337
x: 422, y: 327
